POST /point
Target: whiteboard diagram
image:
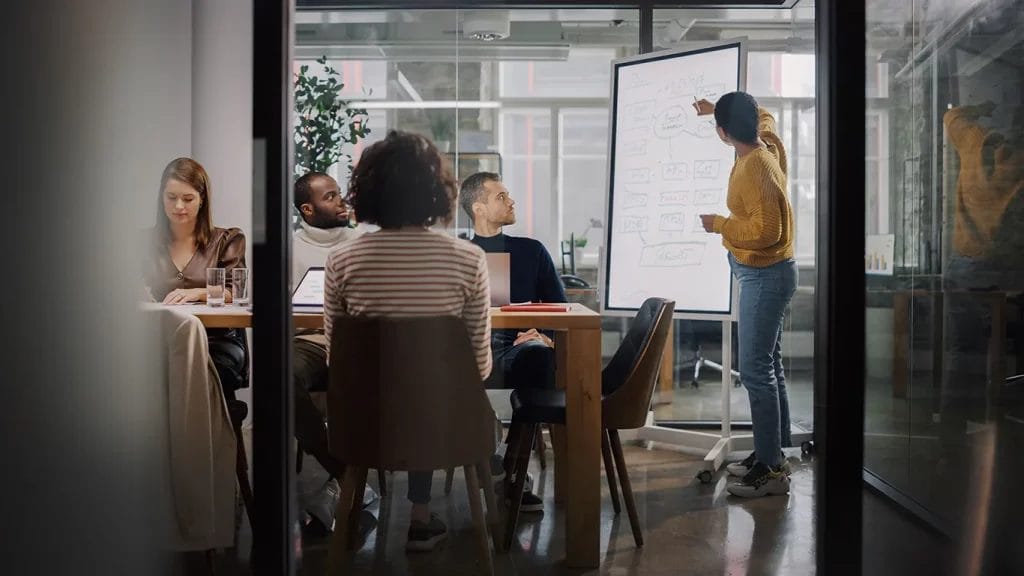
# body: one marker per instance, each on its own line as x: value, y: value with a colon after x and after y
x: 667, y: 166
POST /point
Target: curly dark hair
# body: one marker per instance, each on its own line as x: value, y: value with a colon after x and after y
x: 402, y: 181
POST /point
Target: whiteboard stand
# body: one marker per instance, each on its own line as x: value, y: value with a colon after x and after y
x: 715, y: 446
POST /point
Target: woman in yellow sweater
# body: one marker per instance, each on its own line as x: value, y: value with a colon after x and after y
x: 759, y: 237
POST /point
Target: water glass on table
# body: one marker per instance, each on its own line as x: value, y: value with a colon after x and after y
x: 215, y: 286
x: 240, y: 286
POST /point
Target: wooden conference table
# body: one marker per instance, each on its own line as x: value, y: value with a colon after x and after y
x: 577, y: 448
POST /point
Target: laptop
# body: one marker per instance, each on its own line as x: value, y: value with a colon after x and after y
x: 500, y: 277
x: 309, y: 294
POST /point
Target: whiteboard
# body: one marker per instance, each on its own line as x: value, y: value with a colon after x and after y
x: 666, y: 166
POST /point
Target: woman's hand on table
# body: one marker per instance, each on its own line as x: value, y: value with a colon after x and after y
x: 185, y: 296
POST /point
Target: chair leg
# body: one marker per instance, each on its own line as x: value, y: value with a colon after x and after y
x: 609, y: 471
x: 357, y: 507
x: 242, y: 474
x: 515, y: 494
x: 449, y: 478
x: 483, y: 473
x: 476, y: 508
x: 515, y: 433
x: 382, y: 484
x: 337, y: 548
x: 211, y: 562
x: 542, y: 449
x: 627, y: 488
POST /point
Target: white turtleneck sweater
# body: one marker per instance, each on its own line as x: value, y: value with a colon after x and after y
x: 312, y: 245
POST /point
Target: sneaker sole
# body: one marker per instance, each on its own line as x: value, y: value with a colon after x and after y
x: 425, y: 545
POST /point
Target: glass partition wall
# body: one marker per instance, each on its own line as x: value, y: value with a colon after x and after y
x: 781, y: 76
x: 534, y: 107
x: 944, y: 269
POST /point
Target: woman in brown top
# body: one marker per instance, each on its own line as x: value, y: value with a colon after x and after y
x: 185, y: 244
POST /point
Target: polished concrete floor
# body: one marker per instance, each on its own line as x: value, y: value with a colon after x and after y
x: 705, y: 402
x: 689, y: 528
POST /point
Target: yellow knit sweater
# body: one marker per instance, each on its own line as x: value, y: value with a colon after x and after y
x: 759, y: 230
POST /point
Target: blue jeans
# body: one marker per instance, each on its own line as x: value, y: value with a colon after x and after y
x: 764, y: 295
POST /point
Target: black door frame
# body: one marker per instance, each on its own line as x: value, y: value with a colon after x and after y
x: 273, y: 549
x: 839, y: 348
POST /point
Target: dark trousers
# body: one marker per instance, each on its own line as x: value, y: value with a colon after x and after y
x: 229, y: 353
x: 309, y: 373
x: 529, y: 365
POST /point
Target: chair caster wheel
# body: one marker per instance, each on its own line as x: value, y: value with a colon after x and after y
x: 694, y: 384
x: 807, y: 447
x: 704, y: 476
x: 737, y: 383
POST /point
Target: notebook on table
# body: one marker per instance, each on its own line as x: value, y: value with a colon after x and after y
x: 537, y: 307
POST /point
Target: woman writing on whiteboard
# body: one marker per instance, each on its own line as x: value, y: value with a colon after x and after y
x: 758, y: 234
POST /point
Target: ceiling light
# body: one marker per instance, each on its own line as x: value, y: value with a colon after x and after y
x: 486, y: 26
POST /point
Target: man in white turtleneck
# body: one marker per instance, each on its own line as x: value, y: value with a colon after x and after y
x: 326, y: 224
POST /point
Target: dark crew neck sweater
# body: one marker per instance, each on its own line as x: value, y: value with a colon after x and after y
x: 533, y: 274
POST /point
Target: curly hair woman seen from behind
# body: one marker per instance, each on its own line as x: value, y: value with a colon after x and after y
x: 405, y: 269
x: 402, y: 181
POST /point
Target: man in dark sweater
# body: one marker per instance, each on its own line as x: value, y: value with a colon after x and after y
x: 521, y: 359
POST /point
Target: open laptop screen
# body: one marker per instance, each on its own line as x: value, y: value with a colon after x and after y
x: 499, y: 277
x: 310, y: 291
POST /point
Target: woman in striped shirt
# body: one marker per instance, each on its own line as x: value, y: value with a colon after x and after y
x: 406, y: 269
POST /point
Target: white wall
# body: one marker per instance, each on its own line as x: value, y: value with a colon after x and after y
x: 222, y: 107
x: 222, y: 114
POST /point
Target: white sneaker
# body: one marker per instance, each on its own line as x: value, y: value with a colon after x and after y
x: 761, y: 481
x: 742, y: 468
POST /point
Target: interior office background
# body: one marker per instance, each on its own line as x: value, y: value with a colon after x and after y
x: 536, y: 109
x: 84, y: 147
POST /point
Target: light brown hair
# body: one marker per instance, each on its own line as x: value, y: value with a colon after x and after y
x: 187, y: 171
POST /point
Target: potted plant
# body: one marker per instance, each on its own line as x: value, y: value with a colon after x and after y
x: 441, y: 127
x: 324, y: 122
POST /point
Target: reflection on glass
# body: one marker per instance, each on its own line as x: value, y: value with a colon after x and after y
x: 945, y: 170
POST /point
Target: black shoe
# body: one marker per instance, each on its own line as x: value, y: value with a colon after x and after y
x: 425, y: 537
x: 761, y: 481
x: 531, y: 503
x: 741, y: 469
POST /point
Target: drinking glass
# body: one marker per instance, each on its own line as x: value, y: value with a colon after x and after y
x: 215, y: 286
x: 240, y: 286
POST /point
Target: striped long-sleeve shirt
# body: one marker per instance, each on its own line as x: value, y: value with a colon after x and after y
x: 411, y: 272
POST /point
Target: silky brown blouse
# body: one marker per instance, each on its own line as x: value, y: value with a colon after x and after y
x: 226, y: 249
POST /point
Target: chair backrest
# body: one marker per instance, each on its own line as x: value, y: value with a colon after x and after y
x: 405, y: 394
x: 628, y: 381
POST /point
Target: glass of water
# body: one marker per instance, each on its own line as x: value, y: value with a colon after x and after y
x: 215, y: 286
x: 240, y: 286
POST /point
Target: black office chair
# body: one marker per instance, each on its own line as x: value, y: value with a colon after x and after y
x: 627, y: 385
